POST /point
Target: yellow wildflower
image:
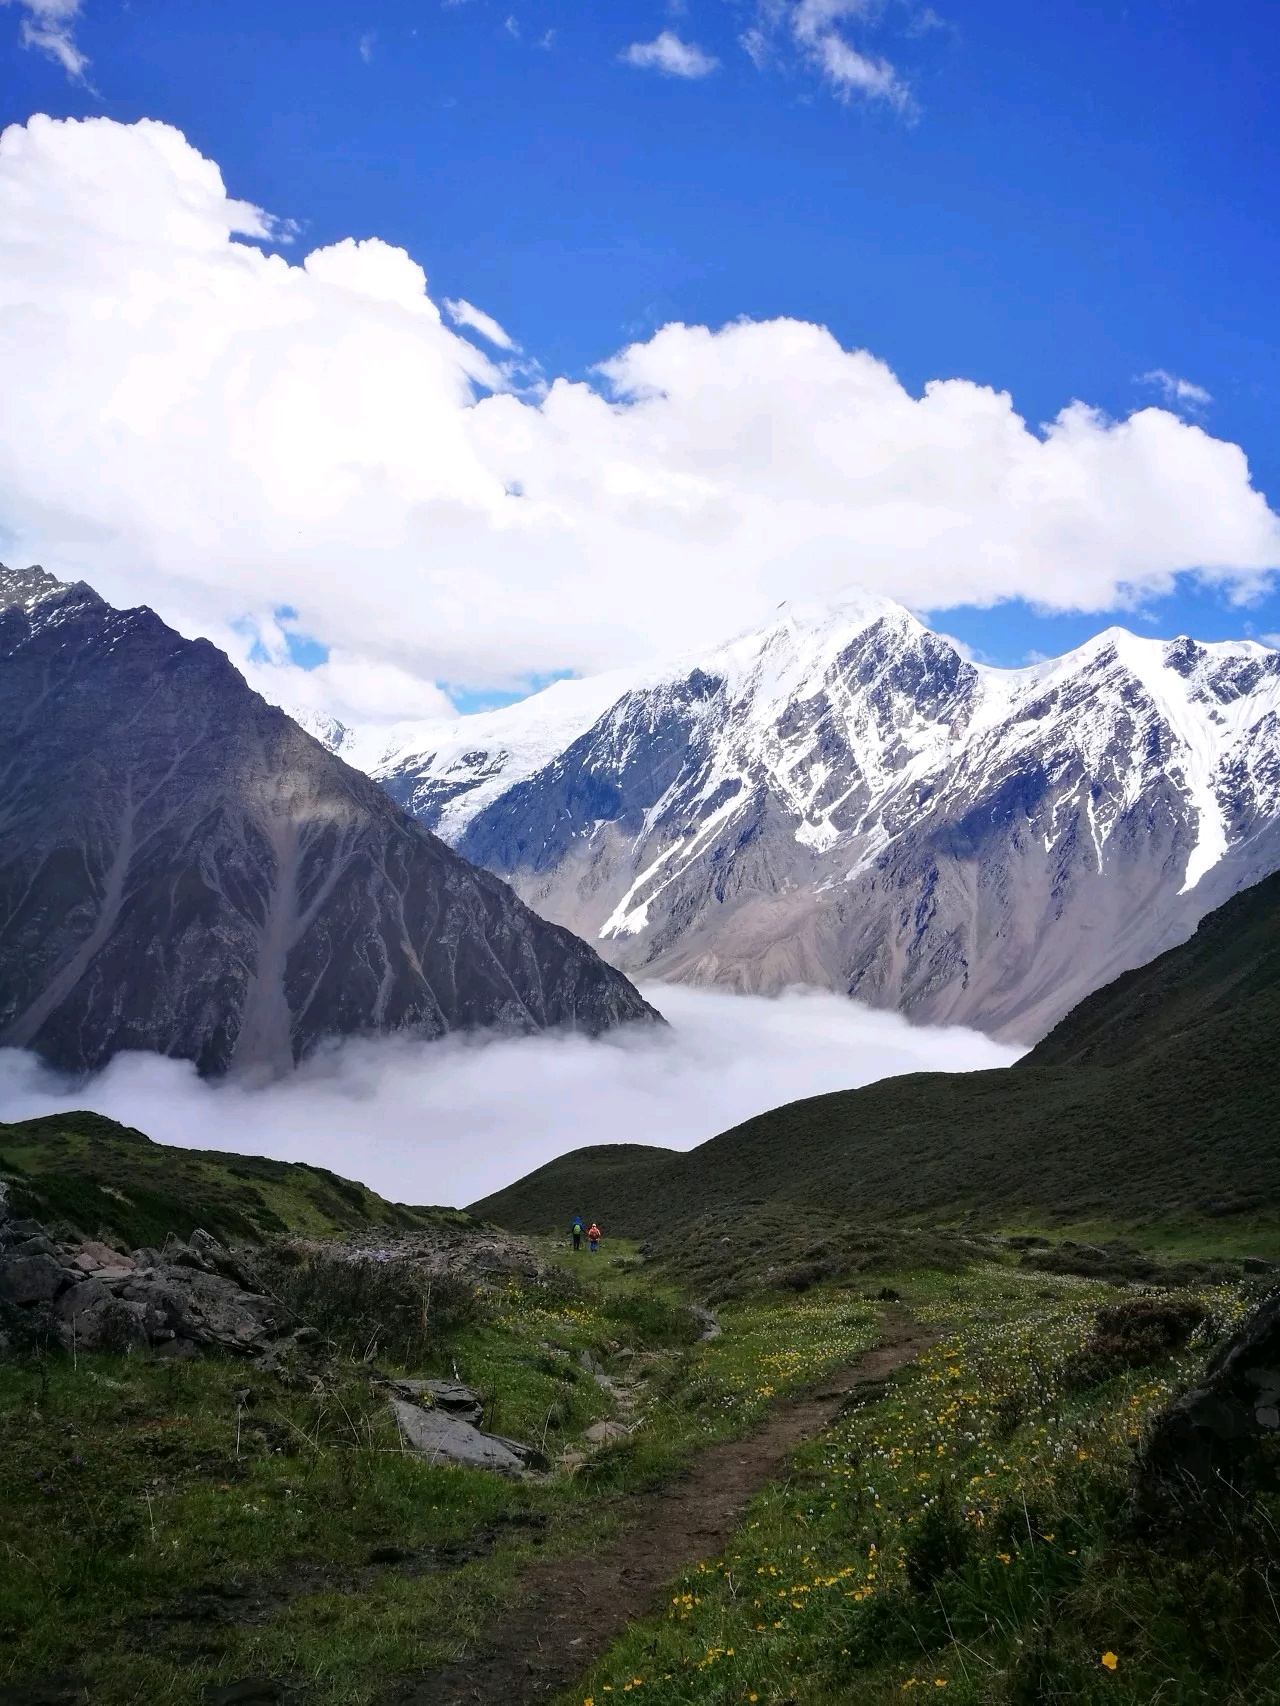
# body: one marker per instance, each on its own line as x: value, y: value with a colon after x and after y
x: 1110, y: 1660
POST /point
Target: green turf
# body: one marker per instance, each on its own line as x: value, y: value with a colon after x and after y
x: 167, y: 1526
x: 88, y: 1173
x: 964, y: 1539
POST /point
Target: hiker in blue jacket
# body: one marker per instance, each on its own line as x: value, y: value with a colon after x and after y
x: 576, y: 1231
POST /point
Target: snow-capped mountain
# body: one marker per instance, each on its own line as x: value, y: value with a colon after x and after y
x: 846, y: 800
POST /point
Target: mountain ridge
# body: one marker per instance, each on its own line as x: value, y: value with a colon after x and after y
x: 844, y: 799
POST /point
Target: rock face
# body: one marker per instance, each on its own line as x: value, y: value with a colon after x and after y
x: 176, y: 1300
x: 850, y: 803
x: 184, y: 870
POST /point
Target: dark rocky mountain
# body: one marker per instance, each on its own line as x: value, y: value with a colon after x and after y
x: 1155, y: 1100
x: 848, y: 802
x: 184, y: 870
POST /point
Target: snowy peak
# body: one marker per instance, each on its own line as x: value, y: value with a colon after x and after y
x: 843, y: 798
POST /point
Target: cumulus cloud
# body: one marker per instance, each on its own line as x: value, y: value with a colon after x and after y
x: 197, y: 424
x: 671, y: 56
x: 1175, y: 390
x: 448, y: 1122
x: 49, y: 27
x: 467, y: 314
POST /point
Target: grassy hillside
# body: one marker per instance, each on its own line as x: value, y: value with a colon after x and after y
x: 1155, y: 1099
x: 88, y: 1173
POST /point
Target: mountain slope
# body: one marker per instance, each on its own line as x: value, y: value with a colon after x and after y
x: 846, y: 801
x: 107, y: 1180
x: 1156, y: 1096
x: 183, y: 869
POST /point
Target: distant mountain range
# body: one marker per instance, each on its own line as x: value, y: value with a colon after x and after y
x: 185, y: 870
x: 1153, y: 1102
x: 848, y: 801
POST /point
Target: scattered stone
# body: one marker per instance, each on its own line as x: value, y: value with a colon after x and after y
x: 711, y: 1328
x: 1258, y: 1265
x: 94, y: 1255
x: 605, y: 1433
x: 448, y: 1439
x: 105, y: 1300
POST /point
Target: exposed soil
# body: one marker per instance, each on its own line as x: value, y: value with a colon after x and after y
x: 572, y: 1609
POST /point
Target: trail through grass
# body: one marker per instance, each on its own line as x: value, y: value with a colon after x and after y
x: 964, y: 1534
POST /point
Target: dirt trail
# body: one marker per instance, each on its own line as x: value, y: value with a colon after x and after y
x: 572, y: 1609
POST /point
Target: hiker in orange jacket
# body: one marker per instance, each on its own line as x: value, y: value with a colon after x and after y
x: 593, y: 1236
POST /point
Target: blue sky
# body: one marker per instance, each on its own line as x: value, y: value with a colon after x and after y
x: 1052, y: 199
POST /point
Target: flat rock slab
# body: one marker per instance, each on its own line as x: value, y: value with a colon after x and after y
x: 449, y: 1439
x: 450, y: 1395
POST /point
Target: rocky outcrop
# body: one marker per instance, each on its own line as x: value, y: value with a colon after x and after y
x: 184, y: 870
x: 176, y: 1301
x: 849, y: 802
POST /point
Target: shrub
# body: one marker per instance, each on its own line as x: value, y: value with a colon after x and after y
x: 1133, y: 1334
x: 939, y: 1542
x: 649, y: 1321
x: 367, y: 1306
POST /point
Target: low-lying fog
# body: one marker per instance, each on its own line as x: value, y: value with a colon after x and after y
x: 448, y: 1122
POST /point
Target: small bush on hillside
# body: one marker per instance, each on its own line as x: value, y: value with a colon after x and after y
x: 939, y: 1542
x: 648, y: 1321
x: 1133, y: 1334
x: 369, y: 1307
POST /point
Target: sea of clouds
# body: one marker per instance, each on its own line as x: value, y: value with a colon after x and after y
x: 450, y: 1121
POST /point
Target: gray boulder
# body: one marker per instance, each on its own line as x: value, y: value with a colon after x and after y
x: 443, y: 1438
x: 111, y: 1324
x: 77, y: 1300
x: 30, y: 1279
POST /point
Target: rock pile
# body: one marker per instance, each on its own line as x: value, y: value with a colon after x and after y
x: 173, y: 1300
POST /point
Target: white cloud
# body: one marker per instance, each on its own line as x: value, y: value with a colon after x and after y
x: 1176, y: 391
x: 199, y: 425
x: 816, y: 28
x: 466, y: 314
x: 366, y: 46
x: 757, y: 47
x: 50, y: 28
x: 671, y: 56
x: 451, y: 1121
